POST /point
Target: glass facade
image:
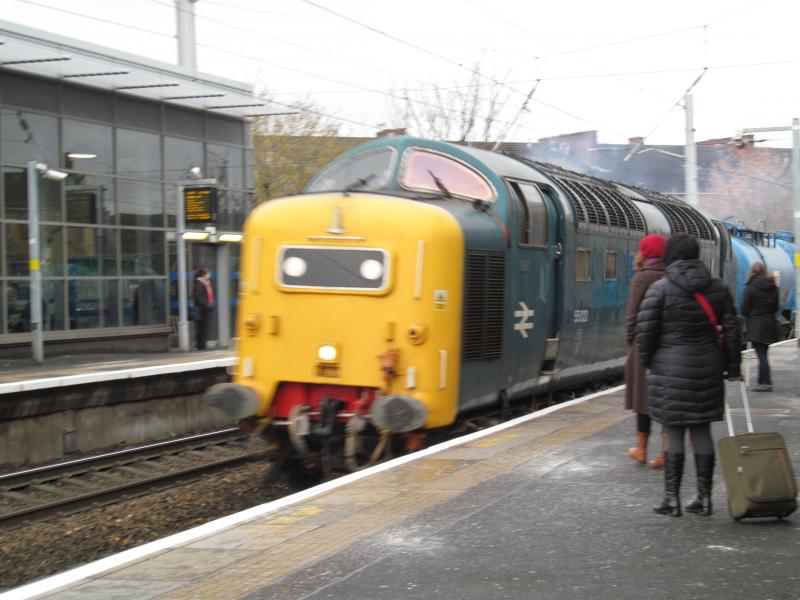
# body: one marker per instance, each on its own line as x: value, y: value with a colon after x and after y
x: 104, y: 229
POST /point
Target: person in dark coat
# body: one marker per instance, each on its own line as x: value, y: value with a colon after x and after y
x: 759, y: 306
x: 688, y: 358
x: 203, y: 297
x: 649, y: 269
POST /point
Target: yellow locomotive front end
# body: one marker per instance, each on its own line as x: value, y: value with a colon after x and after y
x: 349, y: 317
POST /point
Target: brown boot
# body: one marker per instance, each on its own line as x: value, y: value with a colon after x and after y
x: 639, y: 453
x: 658, y: 462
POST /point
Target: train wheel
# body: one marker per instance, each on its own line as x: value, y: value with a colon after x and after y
x: 291, y: 469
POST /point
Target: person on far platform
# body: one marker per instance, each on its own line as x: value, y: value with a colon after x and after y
x: 203, y: 297
x: 759, y: 306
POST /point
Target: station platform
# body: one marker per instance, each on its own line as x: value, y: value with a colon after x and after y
x: 58, y: 371
x: 545, y: 506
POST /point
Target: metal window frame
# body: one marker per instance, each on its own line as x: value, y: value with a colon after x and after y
x: 163, y: 180
x: 616, y: 265
x: 588, y: 253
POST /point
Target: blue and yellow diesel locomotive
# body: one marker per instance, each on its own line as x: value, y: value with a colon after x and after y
x: 415, y: 280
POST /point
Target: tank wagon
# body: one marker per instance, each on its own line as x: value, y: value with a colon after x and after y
x: 415, y: 281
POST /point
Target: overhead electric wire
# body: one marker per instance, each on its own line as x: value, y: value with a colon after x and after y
x: 368, y: 90
x: 363, y: 88
x: 667, y: 114
x: 100, y: 19
x: 290, y: 43
x: 450, y: 61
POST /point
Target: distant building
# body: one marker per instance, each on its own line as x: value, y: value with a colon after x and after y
x: 126, y: 129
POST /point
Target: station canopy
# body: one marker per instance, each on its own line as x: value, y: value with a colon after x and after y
x: 45, y: 54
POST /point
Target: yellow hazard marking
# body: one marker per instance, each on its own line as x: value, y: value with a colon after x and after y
x: 797, y: 260
x: 494, y: 440
x: 34, y: 265
x: 295, y: 516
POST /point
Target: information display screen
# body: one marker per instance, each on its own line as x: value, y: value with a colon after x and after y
x: 200, y: 204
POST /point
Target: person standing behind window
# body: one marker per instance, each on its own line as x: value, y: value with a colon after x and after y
x: 649, y: 269
x: 759, y: 306
x: 203, y: 297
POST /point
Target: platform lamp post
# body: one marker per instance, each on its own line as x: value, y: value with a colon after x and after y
x: 795, y: 129
x: 35, y: 171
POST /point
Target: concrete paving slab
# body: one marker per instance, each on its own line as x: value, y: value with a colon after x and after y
x: 182, y: 564
x: 110, y: 589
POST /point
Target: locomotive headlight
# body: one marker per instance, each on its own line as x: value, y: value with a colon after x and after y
x: 327, y: 353
x: 294, y: 266
x: 371, y: 269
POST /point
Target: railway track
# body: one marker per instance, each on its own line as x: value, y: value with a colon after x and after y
x: 62, y: 488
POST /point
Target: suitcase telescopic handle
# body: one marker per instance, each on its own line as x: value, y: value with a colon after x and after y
x: 746, y: 405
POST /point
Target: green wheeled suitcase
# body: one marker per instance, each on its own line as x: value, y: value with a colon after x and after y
x: 757, y: 471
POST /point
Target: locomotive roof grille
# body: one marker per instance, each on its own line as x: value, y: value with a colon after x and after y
x: 593, y: 206
x: 601, y: 205
x: 626, y: 210
x: 684, y: 219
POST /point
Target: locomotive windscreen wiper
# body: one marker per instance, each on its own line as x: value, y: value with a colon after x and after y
x: 359, y: 183
x: 440, y: 184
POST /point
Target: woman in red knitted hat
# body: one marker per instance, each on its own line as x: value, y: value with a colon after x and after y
x: 649, y: 269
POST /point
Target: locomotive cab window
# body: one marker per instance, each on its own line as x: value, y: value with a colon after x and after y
x: 432, y: 172
x: 611, y: 265
x: 366, y: 171
x: 532, y: 215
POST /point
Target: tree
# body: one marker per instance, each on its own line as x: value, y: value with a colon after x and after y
x: 752, y: 185
x: 291, y: 148
x: 464, y: 112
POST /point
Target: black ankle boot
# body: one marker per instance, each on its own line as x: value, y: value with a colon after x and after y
x: 673, y: 473
x: 704, y: 465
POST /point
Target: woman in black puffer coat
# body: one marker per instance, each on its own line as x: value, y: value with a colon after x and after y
x: 759, y: 305
x: 678, y: 343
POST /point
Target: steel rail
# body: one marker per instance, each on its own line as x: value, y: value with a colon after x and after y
x: 17, y: 478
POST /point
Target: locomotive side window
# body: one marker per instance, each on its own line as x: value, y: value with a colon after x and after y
x: 367, y: 171
x: 537, y: 214
x: 583, y: 264
x: 611, y: 265
x: 524, y: 216
x: 431, y: 172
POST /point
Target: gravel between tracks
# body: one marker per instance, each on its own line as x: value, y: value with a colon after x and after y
x: 40, y: 549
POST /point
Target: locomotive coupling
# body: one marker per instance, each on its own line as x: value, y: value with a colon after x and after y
x: 398, y: 414
x: 234, y: 400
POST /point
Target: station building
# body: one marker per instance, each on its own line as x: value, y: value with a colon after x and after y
x: 126, y: 131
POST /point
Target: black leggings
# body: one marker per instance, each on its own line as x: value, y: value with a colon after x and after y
x: 643, y: 423
x: 700, y: 434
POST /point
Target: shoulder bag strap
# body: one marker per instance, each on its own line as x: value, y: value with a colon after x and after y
x: 704, y: 304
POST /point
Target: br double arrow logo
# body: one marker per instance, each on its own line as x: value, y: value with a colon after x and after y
x: 523, y: 326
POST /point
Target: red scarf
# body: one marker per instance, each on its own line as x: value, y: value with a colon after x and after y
x: 209, y: 291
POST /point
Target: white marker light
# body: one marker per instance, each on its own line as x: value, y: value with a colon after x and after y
x: 327, y: 353
x: 371, y: 269
x: 295, y: 266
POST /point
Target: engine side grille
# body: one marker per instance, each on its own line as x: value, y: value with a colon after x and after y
x: 484, y: 297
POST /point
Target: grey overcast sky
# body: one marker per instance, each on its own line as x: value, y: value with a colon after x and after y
x: 618, y: 66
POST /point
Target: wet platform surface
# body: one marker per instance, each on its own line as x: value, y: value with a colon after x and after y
x: 547, y: 508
